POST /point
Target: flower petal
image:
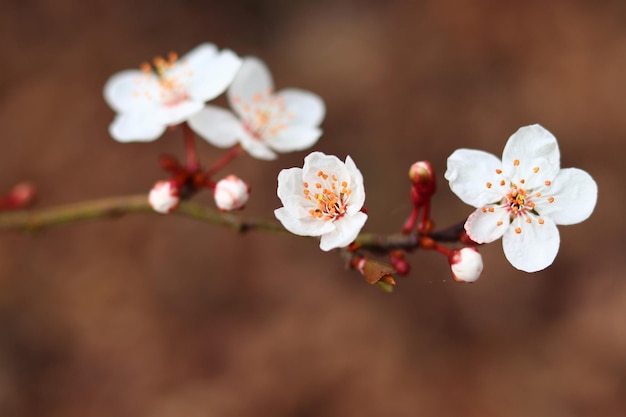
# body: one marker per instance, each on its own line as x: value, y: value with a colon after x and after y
x: 346, y: 230
x: 132, y: 90
x: 253, y: 78
x: 330, y: 164
x: 218, y: 126
x: 532, y: 154
x: 289, y: 182
x: 294, y: 138
x: 211, y: 73
x: 357, y: 187
x: 303, y: 107
x: 178, y: 113
x: 307, y: 226
x: 256, y: 147
x: 470, y: 173
x: 486, y: 226
x: 534, y: 248
x: 575, y: 194
x: 135, y: 127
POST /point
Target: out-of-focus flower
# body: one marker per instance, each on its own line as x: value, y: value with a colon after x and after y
x: 522, y: 197
x: 466, y: 264
x: 263, y: 122
x: 168, y: 92
x: 323, y: 198
x: 164, y: 196
x: 231, y: 193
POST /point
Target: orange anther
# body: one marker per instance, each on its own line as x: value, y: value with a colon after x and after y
x: 484, y: 209
x: 528, y: 220
x: 499, y: 224
x: 516, y: 162
x: 536, y: 170
x: 502, y: 183
x: 541, y: 221
x: 488, y: 185
x: 518, y: 230
x: 498, y: 171
x: 491, y: 210
x: 547, y: 183
x: 551, y: 200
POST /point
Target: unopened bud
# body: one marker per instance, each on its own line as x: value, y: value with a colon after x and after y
x: 466, y: 264
x: 421, y: 173
x: 399, y: 262
x: 22, y: 194
x: 164, y: 196
x: 231, y: 193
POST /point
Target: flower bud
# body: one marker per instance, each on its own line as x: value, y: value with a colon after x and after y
x: 22, y: 194
x: 421, y: 172
x: 231, y: 193
x: 466, y: 264
x: 164, y: 196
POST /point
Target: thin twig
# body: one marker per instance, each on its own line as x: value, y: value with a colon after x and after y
x: 34, y: 220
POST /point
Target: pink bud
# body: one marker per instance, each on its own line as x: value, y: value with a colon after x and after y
x: 421, y: 172
x: 164, y: 196
x: 466, y: 264
x: 231, y: 193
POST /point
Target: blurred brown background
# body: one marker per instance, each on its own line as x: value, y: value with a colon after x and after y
x: 164, y: 316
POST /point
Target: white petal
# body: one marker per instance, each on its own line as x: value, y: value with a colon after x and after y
x: 346, y: 231
x: 307, y: 226
x: 255, y: 147
x: 289, y: 183
x: 132, y: 90
x: 318, y: 161
x: 529, y: 148
x: 534, y: 248
x: 470, y: 172
x: 212, y: 74
x: 303, y: 107
x: 135, y: 128
x: 218, y: 126
x: 575, y: 194
x: 294, y: 138
x: 253, y: 78
x: 199, y: 56
x: 178, y: 113
x: 357, y: 187
x: 485, y: 227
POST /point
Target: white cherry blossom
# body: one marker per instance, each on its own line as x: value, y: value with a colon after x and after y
x: 523, y: 197
x: 262, y: 121
x: 149, y: 99
x: 323, y: 198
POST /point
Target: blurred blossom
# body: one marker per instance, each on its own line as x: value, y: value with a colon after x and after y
x: 466, y: 264
x: 164, y: 196
x: 168, y: 92
x: 262, y: 121
x: 231, y: 193
x: 523, y: 197
x: 323, y: 198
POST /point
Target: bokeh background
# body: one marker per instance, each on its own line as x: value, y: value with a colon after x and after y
x: 164, y: 316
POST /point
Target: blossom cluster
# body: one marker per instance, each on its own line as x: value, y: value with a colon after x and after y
x: 521, y: 197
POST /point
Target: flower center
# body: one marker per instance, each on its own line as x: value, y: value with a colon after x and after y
x: 265, y: 114
x: 518, y: 201
x: 329, y: 197
x: 171, y: 90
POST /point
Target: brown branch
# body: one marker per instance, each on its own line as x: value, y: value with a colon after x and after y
x: 33, y: 220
